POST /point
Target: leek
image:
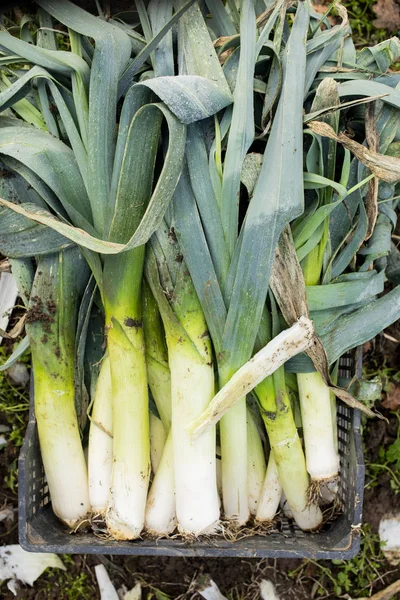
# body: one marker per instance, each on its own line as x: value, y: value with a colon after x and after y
x: 51, y: 321
x: 271, y: 492
x: 100, y: 455
x: 192, y: 385
x: 256, y: 467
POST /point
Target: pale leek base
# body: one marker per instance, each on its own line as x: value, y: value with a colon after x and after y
x: 160, y: 518
x: 100, y: 455
x: 256, y: 467
x: 192, y: 388
x: 233, y: 430
x: 293, y: 476
x: 131, y: 447
x: 61, y: 448
x: 157, y: 441
x: 270, y: 494
x: 322, y: 458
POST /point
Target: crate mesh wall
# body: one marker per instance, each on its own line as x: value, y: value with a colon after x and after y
x: 40, y: 531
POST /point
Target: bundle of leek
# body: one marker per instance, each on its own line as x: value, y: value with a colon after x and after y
x: 205, y: 322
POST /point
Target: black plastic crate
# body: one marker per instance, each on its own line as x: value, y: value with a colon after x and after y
x: 40, y: 530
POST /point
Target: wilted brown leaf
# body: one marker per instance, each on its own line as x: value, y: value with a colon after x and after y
x: 388, y: 13
x: 392, y: 401
x: 288, y: 286
x: 384, y: 167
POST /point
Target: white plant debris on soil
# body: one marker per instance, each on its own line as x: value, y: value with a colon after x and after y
x: 18, y: 565
x: 389, y: 533
x: 8, y: 297
x: 108, y: 591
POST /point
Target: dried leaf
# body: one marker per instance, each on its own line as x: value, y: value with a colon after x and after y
x: 280, y: 349
x: 135, y: 593
x: 388, y: 13
x: 392, y: 400
x: 389, y: 533
x: 208, y: 589
x: 16, y: 564
x: 7, y: 514
x: 5, y: 266
x: 287, y: 284
x: 383, y: 166
x: 107, y: 590
x: 267, y: 590
x: 8, y: 296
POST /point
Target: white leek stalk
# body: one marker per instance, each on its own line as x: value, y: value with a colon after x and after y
x: 273, y: 355
x: 157, y: 441
x: 126, y: 349
x: 160, y: 508
x: 234, y: 463
x: 256, y: 467
x: 322, y: 458
x: 131, y: 448
x: 231, y: 406
x: 192, y: 388
x: 160, y: 518
x: 288, y: 452
x: 51, y: 325
x: 328, y: 490
x: 270, y: 494
x: 100, y: 455
x: 61, y: 447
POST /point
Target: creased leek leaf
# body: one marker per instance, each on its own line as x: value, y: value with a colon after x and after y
x: 196, y: 52
x: 278, y: 197
x: 160, y: 13
x: 222, y: 23
x: 21, y: 87
x: 393, y: 265
x: 127, y: 77
x: 54, y: 163
x: 82, y: 327
x: 190, y: 97
x: 23, y: 108
x: 19, y: 236
x: 337, y: 294
x: 111, y: 55
x: 370, y: 88
x: 324, y: 38
x: 23, y: 271
x: 362, y: 325
x: 267, y: 28
x: 381, y: 56
x: 45, y: 36
x: 241, y: 132
x: 59, y: 180
x: 58, y: 61
x: 202, y: 185
x: 27, y: 238
x: 193, y: 242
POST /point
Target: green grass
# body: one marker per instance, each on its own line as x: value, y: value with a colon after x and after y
x: 361, y: 18
x: 67, y: 585
x: 14, y: 407
x: 388, y: 462
x: 339, y: 577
